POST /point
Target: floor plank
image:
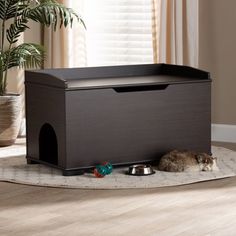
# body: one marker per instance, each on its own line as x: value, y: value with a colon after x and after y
x: 201, y: 209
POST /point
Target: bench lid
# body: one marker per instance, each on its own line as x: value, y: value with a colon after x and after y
x: 116, y: 76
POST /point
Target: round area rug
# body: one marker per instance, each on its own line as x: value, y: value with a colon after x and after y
x: 14, y: 169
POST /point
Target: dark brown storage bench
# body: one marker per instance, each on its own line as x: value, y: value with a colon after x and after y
x: 77, y: 118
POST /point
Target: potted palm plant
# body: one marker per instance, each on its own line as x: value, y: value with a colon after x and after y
x: 14, y: 18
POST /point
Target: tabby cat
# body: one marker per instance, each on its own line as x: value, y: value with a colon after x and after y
x: 178, y: 161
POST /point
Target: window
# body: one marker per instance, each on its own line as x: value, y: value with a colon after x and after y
x: 118, y: 32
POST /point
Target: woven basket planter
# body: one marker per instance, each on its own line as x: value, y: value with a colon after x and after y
x: 10, y: 118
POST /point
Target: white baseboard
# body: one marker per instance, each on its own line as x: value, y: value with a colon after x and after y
x: 223, y: 133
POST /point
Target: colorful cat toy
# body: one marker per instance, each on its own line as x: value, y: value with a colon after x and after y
x: 102, y: 170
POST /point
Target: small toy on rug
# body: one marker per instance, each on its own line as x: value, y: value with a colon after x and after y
x: 178, y: 161
x: 102, y: 170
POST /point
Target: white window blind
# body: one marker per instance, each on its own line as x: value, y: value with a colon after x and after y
x: 118, y: 32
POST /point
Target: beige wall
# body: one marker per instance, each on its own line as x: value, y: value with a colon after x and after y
x: 34, y: 34
x: 218, y: 55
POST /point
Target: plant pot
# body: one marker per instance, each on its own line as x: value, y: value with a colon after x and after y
x: 10, y: 118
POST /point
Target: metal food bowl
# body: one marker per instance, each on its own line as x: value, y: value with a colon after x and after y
x: 140, y: 170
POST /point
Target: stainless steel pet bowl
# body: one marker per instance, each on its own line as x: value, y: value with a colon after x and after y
x: 140, y: 170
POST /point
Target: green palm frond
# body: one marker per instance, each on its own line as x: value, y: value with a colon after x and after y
x: 52, y: 13
x: 26, y: 55
x: 16, y: 28
x: 9, y: 8
x: 47, y: 13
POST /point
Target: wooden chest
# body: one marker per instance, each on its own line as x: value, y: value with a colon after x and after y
x: 77, y: 118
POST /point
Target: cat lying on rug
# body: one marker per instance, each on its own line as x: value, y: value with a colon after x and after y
x: 178, y: 161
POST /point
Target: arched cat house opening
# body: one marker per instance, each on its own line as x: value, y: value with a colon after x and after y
x: 48, y: 147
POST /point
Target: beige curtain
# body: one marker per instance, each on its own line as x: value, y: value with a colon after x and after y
x: 56, y: 47
x: 66, y: 47
x: 175, y: 31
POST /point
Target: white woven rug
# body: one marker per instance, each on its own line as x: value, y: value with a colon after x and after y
x: 13, y: 168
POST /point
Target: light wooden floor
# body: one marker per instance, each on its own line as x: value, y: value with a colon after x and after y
x: 207, y: 208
